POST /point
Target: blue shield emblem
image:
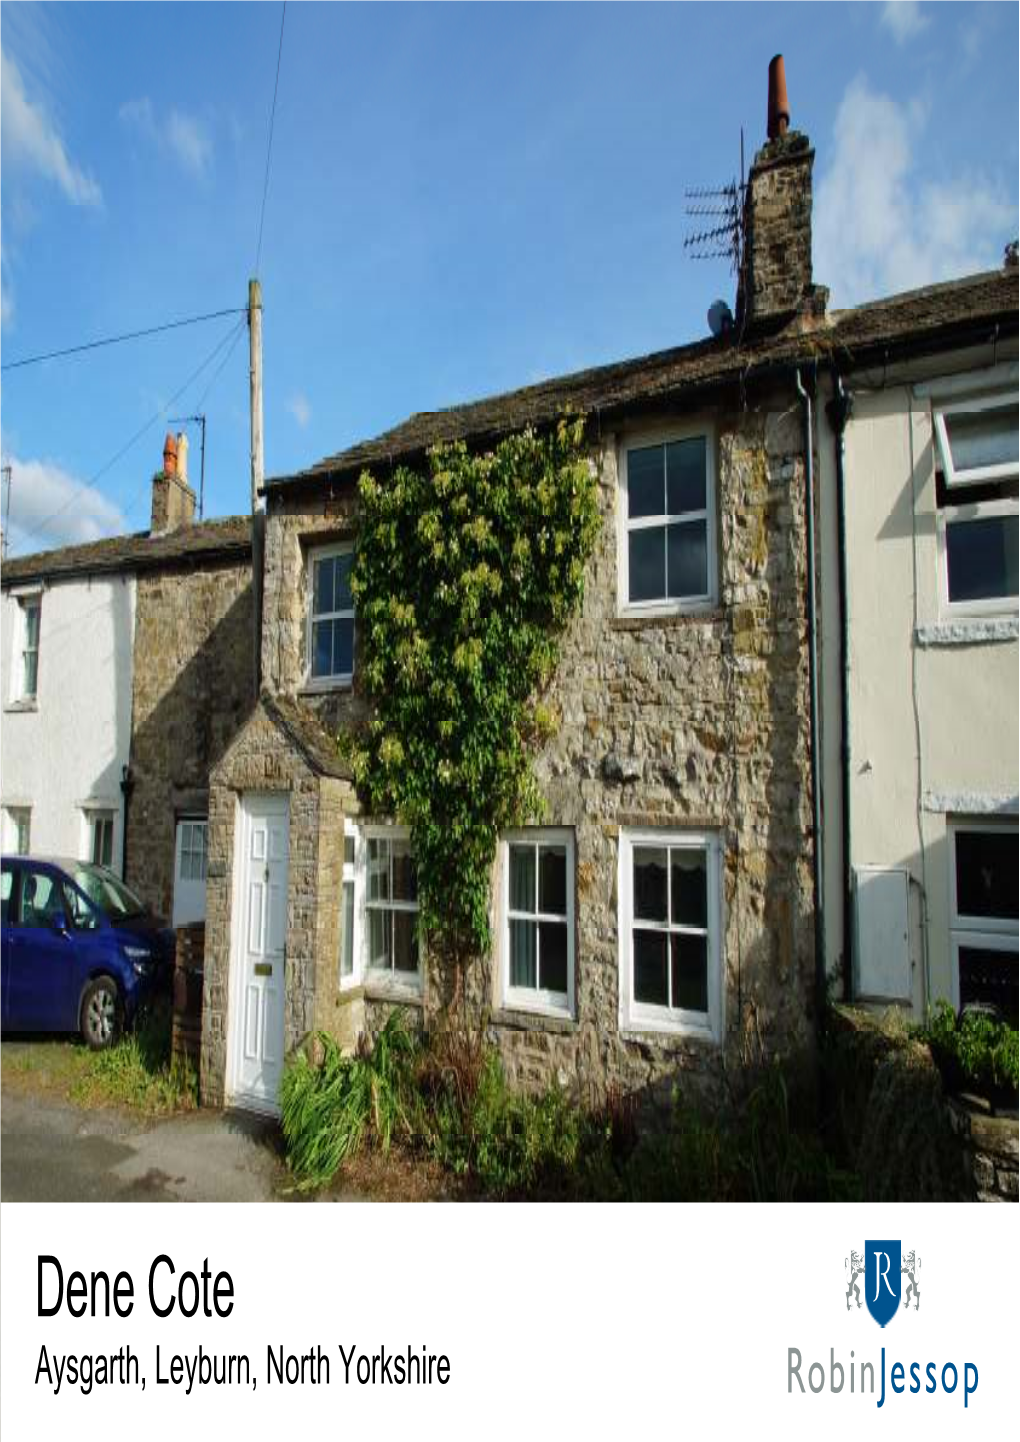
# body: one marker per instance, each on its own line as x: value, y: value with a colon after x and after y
x: 882, y: 1279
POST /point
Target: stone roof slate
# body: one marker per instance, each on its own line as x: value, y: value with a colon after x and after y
x: 303, y: 728
x: 188, y: 545
x: 933, y: 317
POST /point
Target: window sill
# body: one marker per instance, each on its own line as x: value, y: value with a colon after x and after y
x: 377, y: 989
x: 520, y: 1018
x: 14, y: 706
x: 969, y: 631
x: 325, y: 686
x: 702, y: 613
x: 634, y: 1029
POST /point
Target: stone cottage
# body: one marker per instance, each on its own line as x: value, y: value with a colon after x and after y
x: 668, y: 918
x: 128, y: 666
x: 664, y: 917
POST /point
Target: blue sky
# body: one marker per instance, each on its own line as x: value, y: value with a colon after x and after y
x: 462, y: 199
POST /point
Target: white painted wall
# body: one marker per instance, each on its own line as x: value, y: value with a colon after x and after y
x: 933, y: 727
x: 66, y: 752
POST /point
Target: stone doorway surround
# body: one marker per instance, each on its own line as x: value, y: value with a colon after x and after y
x: 280, y: 748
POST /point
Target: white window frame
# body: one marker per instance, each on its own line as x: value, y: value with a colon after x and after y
x: 960, y: 510
x: 977, y: 475
x: 531, y: 999
x: 640, y: 1017
x: 377, y: 978
x: 990, y: 933
x: 24, y: 598
x: 963, y: 512
x: 179, y: 918
x: 352, y: 876
x: 676, y: 605
x: 101, y: 814
x: 14, y: 816
x: 341, y: 680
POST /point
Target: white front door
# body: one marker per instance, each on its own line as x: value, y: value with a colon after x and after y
x: 260, y: 941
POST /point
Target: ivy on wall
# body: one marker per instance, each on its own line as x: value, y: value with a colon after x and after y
x: 465, y: 575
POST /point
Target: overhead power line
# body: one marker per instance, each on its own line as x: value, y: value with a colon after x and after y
x: 40, y: 526
x: 269, y: 147
x: 32, y: 360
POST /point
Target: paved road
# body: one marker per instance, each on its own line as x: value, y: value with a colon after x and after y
x: 53, y: 1152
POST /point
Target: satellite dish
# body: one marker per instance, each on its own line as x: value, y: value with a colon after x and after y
x: 720, y: 318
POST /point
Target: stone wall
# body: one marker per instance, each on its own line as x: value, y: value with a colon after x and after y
x: 697, y: 720
x: 989, y: 1145
x: 192, y: 687
x: 777, y: 255
x: 262, y: 760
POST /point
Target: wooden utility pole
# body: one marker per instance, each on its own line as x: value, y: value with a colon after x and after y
x: 255, y: 371
x: 6, y: 474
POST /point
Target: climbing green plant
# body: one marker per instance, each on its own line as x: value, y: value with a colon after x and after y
x: 465, y: 574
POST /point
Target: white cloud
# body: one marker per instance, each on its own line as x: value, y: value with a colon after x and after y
x: 879, y: 226
x: 300, y: 409
x: 50, y: 507
x: 903, y: 19
x: 183, y: 136
x: 31, y: 140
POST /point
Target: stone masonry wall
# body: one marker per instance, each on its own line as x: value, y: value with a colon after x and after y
x: 262, y: 760
x: 778, y: 239
x: 192, y: 687
x: 699, y: 720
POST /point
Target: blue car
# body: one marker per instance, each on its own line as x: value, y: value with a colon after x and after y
x: 78, y: 950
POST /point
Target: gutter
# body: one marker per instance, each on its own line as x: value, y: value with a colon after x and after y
x: 812, y: 619
x: 839, y: 411
x: 127, y: 785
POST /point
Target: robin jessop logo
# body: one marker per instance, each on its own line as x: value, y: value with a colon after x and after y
x: 884, y: 1279
x: 881, y: 1271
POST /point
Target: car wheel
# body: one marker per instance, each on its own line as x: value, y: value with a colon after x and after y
x: 100, y: 1014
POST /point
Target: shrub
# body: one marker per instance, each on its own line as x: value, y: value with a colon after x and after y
x: 449, y: 1098
x: 329, y: 1107
x: 891, y: 1118
x: 974, y: 1051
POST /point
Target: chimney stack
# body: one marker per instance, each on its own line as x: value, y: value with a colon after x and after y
x: 775, y: 285
x: 779, y: 104
x: 173, y: 500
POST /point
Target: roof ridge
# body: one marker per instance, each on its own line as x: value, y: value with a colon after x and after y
x: 700, y: 362
x: 133, y: 550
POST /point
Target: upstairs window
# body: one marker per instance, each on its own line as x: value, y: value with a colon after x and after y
x: 331, y: 617
x: 667, y: 551
x: 26, y: 663
x: 977, y: 446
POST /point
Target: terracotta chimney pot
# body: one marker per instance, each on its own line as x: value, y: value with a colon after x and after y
x: 170, y: 454
x: 779, y: 104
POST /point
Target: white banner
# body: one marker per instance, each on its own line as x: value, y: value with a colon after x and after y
x: 492, y: 1321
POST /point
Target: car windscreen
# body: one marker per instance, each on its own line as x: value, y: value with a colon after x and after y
x: 108, y: 892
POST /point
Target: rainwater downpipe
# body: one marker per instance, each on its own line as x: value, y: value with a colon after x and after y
x: 812, y: 619
x: 839, y: 410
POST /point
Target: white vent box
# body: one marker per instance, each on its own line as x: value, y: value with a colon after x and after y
x: 882, y: 933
